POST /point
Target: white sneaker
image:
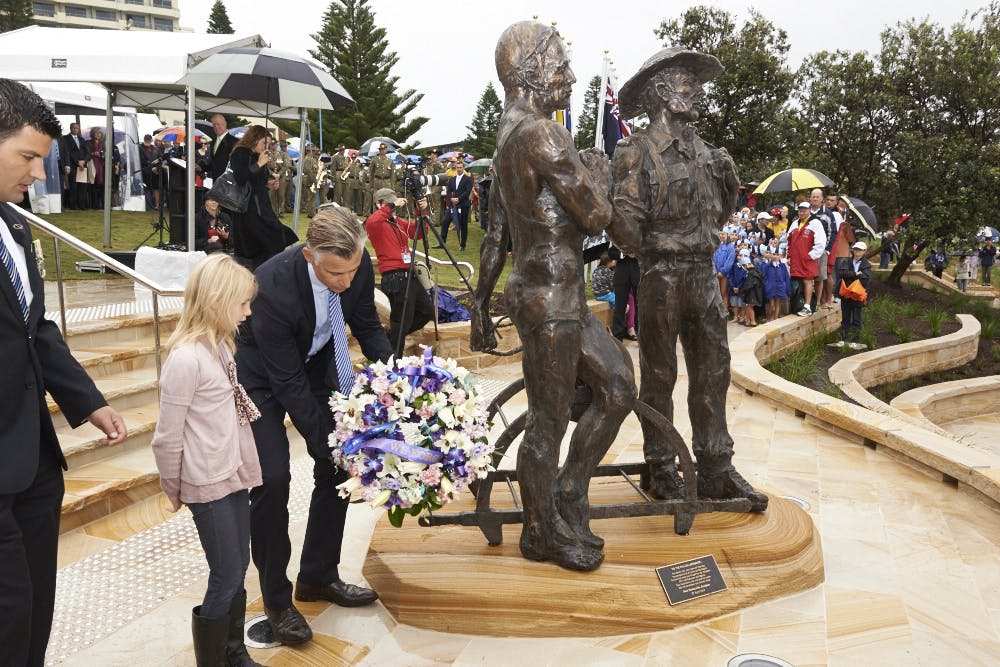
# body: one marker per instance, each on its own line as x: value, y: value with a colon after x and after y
x: 805, y: 312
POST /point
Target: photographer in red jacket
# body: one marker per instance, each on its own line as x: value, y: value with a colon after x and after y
x: 390, y: 237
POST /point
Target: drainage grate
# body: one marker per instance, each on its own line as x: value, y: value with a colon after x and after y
x: 257, y: 633
x: 757, y: 660
x: 798, y: 501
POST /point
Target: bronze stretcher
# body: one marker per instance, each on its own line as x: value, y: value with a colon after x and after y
x: 490, y: 521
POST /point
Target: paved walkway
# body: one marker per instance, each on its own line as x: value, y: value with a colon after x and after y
x: 912, y: 573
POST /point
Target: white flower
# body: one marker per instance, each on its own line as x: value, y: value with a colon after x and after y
x: 348, y: 487
x: 381, y: 498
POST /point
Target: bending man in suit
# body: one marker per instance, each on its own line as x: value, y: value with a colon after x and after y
x: 459, y: 193
x: 290, y: 359
x: 36, y: 361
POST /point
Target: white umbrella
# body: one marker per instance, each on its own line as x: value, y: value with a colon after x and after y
x: 269, y: 76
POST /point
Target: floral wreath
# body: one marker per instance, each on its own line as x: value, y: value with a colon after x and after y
x: 412, y: 434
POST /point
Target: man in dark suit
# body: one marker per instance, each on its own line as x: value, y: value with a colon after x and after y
x: 291, y: 357
x: 76, y: 157
x: 459, y: 199
x: 36, y: 361
x: 221, y: 146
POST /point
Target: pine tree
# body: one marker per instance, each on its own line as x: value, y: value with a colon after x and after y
x: 356, y: 52
x: 482, y: 138
x: 15, y: 14
x: 218, y: 20
x: 586, y: 126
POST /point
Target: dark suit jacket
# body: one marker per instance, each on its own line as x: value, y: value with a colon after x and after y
x: 35, y: 360
x: 274, y: 342
x: 463, y: 192
x: 220, y: 158
x: 73, y: 154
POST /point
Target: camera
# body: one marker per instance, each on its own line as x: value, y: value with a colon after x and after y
x: 416, y: 183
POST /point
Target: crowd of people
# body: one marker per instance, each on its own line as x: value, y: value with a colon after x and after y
x: 768, y: 264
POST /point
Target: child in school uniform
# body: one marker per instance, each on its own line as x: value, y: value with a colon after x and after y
x: 753, y: 293
x: 205, y: 450
x: 777, y: 284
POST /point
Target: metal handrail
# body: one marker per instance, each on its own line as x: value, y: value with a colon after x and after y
x: 93, y: 253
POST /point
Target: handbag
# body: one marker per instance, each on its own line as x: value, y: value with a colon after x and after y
x: 855, y: 291
x: 231, y: 195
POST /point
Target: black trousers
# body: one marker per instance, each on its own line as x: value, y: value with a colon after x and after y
x: 270, y: 545
x: 626, y: 280
x: 850, y: 320
x: 407, y: 314
x: 29, y: 539
x: 461, y: 223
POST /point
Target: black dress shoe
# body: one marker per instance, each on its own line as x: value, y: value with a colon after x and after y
x: 288, y: 626
x: 337, y: 592
x: 438, y: 247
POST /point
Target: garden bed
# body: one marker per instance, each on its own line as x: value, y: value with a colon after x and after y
x: 897, y: 315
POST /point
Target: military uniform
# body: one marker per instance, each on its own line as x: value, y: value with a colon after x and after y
x: 434, y: 205
x: 355, y: 188
x: 310, y: 170
x: 280, y: 164
x: 381, y: 174
x: 338, y: 163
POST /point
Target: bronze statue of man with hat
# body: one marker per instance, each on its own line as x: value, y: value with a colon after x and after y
x: 672, y: 192
x: 549, y: 198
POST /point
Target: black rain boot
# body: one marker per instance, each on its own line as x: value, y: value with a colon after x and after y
x: 236, y: 650
x: 209, y: 639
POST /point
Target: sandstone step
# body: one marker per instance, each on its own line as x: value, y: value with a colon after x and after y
x: 100, y: 488
x: 123, y: 391
x: 123, y: 329
x: 82, y: 446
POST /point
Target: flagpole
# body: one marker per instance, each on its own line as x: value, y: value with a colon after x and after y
x: 599, y: 126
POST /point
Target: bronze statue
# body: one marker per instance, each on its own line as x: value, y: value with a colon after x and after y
x: 548, y: 200
x: 672, y: 192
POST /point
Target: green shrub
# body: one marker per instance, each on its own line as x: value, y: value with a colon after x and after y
x: 935, y: 318
x: 989, y: 328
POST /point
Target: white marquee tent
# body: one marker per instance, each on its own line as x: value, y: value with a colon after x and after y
x: 137, y: 68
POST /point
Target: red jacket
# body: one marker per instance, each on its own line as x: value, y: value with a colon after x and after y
x: 390, y: 239
x: 800, y: 242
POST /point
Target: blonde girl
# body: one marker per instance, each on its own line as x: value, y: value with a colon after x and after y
x: 205, y: 450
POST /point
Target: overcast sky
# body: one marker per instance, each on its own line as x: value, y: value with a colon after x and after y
x: 445, y: 49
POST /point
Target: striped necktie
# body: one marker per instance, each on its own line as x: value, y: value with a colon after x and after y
x: 345, y: 372
x: 15, y: 278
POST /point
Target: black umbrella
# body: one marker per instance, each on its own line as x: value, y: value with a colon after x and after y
x: 267, y: 76
x: 861, y: 213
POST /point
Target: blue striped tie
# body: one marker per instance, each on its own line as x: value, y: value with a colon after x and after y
x: 15, y: 278
x: 345, y: 372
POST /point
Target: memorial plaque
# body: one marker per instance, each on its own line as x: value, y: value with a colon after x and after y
x: 691, y: 579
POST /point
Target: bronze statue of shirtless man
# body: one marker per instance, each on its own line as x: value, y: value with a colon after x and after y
x: 548, y: 200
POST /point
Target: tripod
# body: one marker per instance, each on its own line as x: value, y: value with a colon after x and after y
x: 159, y: 225
x: 423, y: 224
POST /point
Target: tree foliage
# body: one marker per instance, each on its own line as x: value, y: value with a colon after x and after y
x: 15, y: 14
x: 218, y: 20
x: 744, y: 106
x: 356, y: 52
x: 482, y: 138
x: 586, y: 124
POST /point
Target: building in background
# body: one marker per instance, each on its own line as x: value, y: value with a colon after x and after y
x: 109, y: 14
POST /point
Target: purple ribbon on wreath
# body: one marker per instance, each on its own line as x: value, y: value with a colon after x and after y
x: 428, y: 370
x: 371, y: 440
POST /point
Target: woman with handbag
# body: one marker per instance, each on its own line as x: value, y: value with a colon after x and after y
x: 257, y: 234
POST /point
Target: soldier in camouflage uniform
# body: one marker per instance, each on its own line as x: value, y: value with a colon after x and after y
x: 281, y: 166
x: 381, y: 174
x: 310, y: 169
x: 433, y: 168
x: 338, y: 163
x: 355, y: 189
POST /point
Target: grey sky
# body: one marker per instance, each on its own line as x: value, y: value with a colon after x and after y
x: 446, y: 49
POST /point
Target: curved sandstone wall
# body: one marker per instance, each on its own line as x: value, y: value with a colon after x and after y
x: 951, y: 401
x: 972, y: 471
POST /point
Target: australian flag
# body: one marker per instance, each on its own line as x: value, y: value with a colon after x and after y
x: 614, y: 127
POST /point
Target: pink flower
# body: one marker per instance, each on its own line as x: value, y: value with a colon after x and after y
x: 431, y: 476
x: 457, y: 397
x: 386, y: 400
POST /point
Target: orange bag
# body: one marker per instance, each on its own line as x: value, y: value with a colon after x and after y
x: 855, y: 291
